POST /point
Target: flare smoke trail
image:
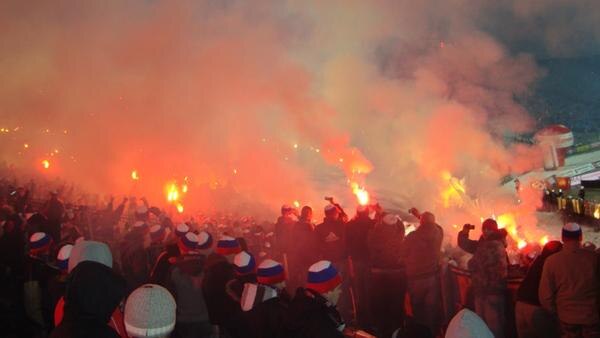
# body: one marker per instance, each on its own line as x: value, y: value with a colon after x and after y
x: 265, y: 102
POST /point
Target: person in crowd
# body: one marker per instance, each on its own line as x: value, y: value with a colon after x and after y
x: 421, y: 256
x: 313, y: 312
x: 357, y: 231
x: 159, y: 273
x: 531, y: 319
x: 57, y: 284
x: 283, y: 229
x: 185, y: 283
x: 244, y: 266
x: 303, y: 249
x: 265, y: 304
x: 21, y: 200
x: 70, y: 232
x: 38, y: 303
x: 570, y: 286
x: 12, y: 245
x: 150, y: 313
x: 133, y: 249
x: 331, y: 242
x: 54, y: 211
x: 581, y: 193
x: 384, y: 245
x: 158, y: 234
x: 93, y: 293
x: 489, y: 227
x: 219, y: 271
x: 489, y: 273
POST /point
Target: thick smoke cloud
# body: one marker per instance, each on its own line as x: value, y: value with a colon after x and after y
x: 263, y: 103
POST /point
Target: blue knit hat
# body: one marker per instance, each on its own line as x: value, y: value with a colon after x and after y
x: 270, y: 272
x: 39, y: 242
x: 62, y: 258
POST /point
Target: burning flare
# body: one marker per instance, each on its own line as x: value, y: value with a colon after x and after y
x: 362, y: 195
x: 46, y: 164
x: 454, y: 190
x: 134, y: 175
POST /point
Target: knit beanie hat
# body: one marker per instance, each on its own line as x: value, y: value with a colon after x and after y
x: 62, y: 258
x: 90, y: 251
x: 182, y: 229
x: 466, y: 324
x: 228, y: 246
x: 188, y: 242
x: 323, y: 277
x: 39, y: 242
x: 270, y: 272
x: 157, y: 233
x: 244, y: 264
x: 489, y: 224
x: 150, y: 312
x: 205, y: 240
x: 571, y: 231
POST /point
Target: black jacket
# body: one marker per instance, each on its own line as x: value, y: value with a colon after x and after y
x: 93, y: 293
x: 309, y: 316
x: 266, y: 319
x: 331, y: 238
x: 218, y: 303
x: 357, y: 234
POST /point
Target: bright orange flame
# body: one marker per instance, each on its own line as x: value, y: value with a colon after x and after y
x: 179, y: 208
x: 522, y: 244
x: 543, y: 240
x: 297, y: 204
x: 597, y: 213
x: 361, y: 194
x: 46, y: 164
x: 134, y: 175
x: 184, y: 189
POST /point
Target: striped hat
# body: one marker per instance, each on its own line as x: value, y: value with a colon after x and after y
x: 150, y: 312
x: 244, y: 264
x: 228, y: 246
x: 157, y: 233
x: 270, y: 272
x: 62, y: 259
x: 39, y: 242
x: 323, y: 277
x: 182, y: 229
x: 205, y: 240
x: 188, y: 242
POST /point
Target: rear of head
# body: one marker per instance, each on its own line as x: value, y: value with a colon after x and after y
x: 362, y: 211
x: 150, y: 312
x: 427, y: 218
x: 551, y: 248
x: 90, y: 251
x: 324, y: 278
x: 332, y: 212
x: 571, y: 233
x: 489, y: 227
x: 286, y: 210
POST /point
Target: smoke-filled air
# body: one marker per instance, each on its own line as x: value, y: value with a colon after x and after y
x: 246, y: 105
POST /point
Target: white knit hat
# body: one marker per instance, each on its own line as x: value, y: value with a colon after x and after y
x: 90, y: 251
x: 150, y: 312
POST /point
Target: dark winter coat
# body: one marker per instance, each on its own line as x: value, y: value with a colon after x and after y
x: 93, y: 293
x: 529, y: 287
x: 186, y: 281
x: 489, y: 266
x: 357, y: 233
x: 331, y: 238
x: 421, y: 251
x: 310, y: 316
x: 267, y: 318
x: 218, y: 303
x: 283, y: 233
x: 385, y: 244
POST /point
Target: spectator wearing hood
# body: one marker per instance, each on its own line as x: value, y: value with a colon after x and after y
x: 313, y: 312
x: 93, y: 292
x: 185, y: 283
x: 489, y: 273
x: 570, y: 286
x: 150, y: 313
x: 531, y: 319
x: 421, y: 256
x: 387, y: 273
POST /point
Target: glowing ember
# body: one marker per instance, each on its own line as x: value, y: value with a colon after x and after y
x: 361, y: 194
x: 179, y: 208
x: 597, y: 213
x: 46, y: 164
x: 297, y: 204
x: 544, y: 240
x: 134, y: 175
x: 522, y: 244
x: 172, y: 193
x: 26, y: 145
x: 184, y: 189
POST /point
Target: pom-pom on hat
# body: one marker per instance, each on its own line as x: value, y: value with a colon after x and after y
x: 228, y: 246
x: 39, y: 242
x: 323, y: 277
x: 150, y: 312
x: 244, y: 263
x: 157, y: 233
x: 270, y: 272
x: 62, y: 258
x: 205, y: 240
x: 182, y: 229
x: 571, y: 231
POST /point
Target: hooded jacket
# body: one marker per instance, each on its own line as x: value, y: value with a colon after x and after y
x: 93, y: 292
x: 310, y: 316
x: 421, y: 251
x: 489, y: 265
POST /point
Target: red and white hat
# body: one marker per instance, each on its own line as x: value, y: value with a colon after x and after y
x: 323, y: 277
x: 157, y: 233
x: 188, y: 242
x: 39, y: 242
x: 270, y: 272
x: 182, y: 229
x: 228, y: 246
x: 205, y: 240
